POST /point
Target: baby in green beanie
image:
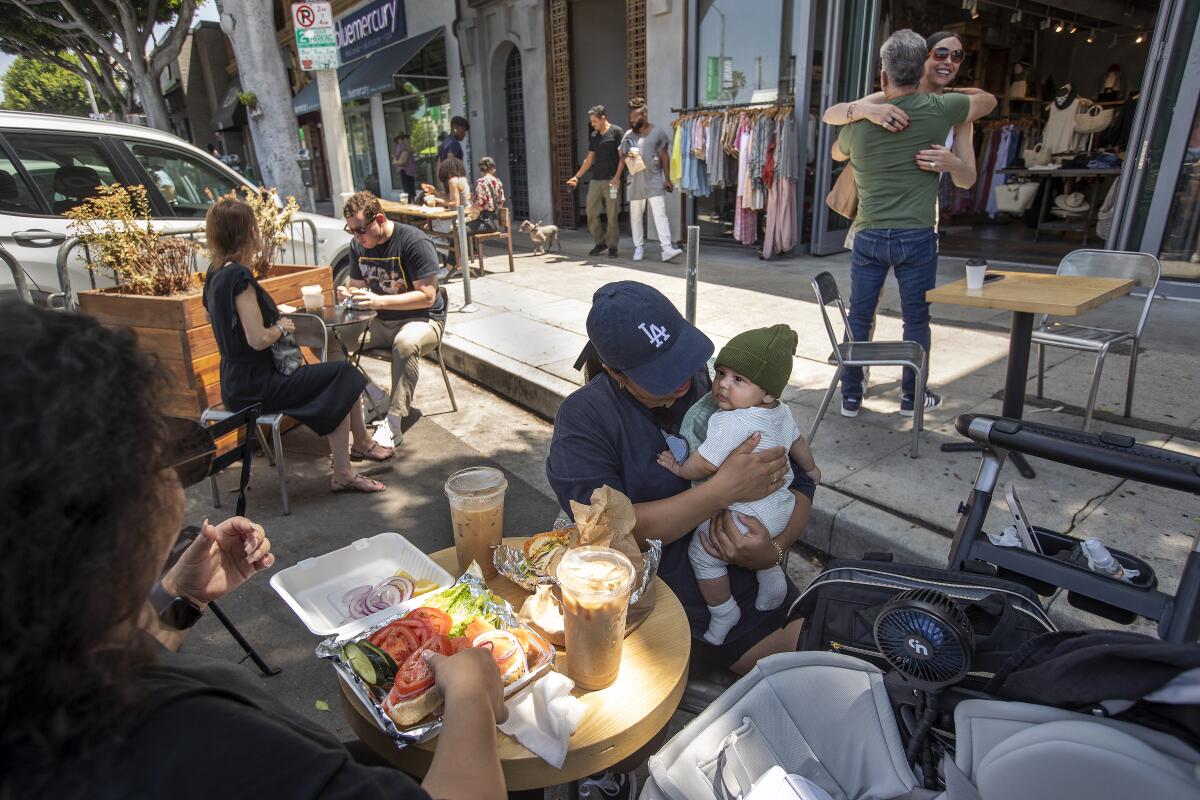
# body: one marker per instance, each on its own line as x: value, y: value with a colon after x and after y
x: 752, y: 372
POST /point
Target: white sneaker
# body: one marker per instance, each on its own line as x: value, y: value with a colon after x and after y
x: 639, y: 253
x: 669, y: 252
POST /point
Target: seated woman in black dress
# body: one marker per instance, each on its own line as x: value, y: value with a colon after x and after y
x: 325, y: 397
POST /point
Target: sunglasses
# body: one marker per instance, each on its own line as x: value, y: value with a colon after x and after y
x: 943, y: 53
x: 677, y: 445
x: 189, y: 450
x: 359, y: 231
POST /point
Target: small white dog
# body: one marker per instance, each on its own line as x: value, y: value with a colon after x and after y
x: 543, y: 236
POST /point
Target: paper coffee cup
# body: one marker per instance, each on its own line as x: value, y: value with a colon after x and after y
x: 975, y: 272
x: 314, y: 298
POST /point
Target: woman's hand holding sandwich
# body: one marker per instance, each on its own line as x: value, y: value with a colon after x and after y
x: 474, y: 705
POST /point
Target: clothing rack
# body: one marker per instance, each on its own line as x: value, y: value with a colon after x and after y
x: 789, y: 103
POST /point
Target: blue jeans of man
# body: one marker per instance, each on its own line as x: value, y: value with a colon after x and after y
x: 912, y: 254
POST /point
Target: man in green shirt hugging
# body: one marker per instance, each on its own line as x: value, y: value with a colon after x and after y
x: 897, y: 204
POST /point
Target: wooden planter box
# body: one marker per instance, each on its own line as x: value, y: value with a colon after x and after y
x: 177, y: 330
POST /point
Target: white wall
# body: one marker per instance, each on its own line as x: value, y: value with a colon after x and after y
x: 488, y: 33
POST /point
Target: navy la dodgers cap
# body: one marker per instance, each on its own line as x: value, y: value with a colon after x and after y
x: 636, y: 330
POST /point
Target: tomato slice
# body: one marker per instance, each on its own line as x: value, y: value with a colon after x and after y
x: 397, y: 640
x: 437, y: 619
x: 413, y: 677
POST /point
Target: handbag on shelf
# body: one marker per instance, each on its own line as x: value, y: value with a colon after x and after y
x: 286, y: 354
x: 843, y: 197
x: 1037, y: 156
x: 1094, y: 120
x: 1015, y: 197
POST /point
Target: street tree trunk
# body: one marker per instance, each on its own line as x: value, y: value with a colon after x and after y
x: 153, y: 102
x: 250, y: 26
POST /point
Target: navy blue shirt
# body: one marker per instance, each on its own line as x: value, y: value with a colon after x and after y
x: 450, y: 147
x: 602, y: 435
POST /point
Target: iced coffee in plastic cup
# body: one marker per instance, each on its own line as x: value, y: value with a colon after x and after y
x: 477, y: 514
x: 595, y: 583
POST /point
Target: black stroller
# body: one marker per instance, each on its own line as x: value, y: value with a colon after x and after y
x: 954, y: 684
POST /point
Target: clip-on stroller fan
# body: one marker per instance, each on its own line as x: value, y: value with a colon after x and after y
x: 928, y: 639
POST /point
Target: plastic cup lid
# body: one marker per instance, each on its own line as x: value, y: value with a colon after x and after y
x: 476, y: 482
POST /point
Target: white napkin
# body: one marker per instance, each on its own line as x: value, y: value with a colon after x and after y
x: 544, y: 716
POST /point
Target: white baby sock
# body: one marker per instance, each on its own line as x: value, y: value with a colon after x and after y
x: 722, y: 620
x: 772, y: 588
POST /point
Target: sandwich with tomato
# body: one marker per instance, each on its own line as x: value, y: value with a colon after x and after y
x: 391, y: 660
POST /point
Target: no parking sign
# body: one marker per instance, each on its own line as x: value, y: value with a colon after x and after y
x: 316, y: 40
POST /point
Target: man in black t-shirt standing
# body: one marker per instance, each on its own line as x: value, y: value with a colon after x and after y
x: 604, y: 187
x: 393, y: 271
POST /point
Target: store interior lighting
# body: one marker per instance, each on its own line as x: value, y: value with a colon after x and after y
x: 1059, y: 27
x: 1091, y: 36
x: 1141, y: 37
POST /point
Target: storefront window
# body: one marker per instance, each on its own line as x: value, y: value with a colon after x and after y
x: 1180, y: 253
x: 426, y: 120
x: 741, y: 61
x: 361, y: 145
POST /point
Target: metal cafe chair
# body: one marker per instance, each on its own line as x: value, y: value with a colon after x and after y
x: 1145, y: 270
x: 866, y: 354
x: 242, y: 422
x: 311, y: 333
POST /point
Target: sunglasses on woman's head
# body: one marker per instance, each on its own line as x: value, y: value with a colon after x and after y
x: 942, y: 53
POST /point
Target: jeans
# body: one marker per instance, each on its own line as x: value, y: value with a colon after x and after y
x: 913, y: 255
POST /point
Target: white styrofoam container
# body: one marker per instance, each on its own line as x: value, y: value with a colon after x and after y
x: 314, y: 587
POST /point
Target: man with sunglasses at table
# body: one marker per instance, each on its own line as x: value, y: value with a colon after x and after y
x: 897, y: 211
x: 393, y: 271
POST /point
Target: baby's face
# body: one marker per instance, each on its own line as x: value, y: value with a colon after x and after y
x: 732, y: 390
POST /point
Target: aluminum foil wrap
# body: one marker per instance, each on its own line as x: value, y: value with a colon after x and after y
x: 512, y: 564
x: 331, y: 649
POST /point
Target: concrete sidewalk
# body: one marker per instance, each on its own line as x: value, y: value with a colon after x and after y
x: 530, y: 326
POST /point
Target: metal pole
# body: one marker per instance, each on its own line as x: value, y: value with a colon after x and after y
x: 461, y: 232
x: 693, y: 258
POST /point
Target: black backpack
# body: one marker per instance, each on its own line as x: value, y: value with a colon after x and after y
x: 841, y: 604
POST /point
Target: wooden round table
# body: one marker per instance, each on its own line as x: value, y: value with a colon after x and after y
x: 620, y: 720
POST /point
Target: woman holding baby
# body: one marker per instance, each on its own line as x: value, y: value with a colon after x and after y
x: 648, y: 367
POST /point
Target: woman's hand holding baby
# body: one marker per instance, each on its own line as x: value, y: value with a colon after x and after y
x: 746, y: 476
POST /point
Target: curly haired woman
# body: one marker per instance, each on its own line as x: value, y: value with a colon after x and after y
x: 94, y: 700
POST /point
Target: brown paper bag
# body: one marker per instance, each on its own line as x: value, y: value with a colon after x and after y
x: 608, y: 522
x: 843, y: 197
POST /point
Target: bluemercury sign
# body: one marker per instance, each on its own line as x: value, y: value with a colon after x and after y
x: 369, y: 28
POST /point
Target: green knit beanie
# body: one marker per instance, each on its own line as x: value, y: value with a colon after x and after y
x: 764, y: 355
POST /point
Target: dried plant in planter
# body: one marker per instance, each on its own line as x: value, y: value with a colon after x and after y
x: 119, y: 239
x: 274, y: 221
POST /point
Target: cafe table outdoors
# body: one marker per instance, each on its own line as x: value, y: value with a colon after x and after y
x: 624, y: 723
x: 1026, y: 294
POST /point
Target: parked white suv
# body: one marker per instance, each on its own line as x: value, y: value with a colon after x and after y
x: 50, y: 163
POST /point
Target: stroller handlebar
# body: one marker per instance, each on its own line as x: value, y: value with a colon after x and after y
x: 1107, y: 452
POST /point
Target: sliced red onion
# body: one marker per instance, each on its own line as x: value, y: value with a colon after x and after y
x: 406, y: 587
x: 362, y: 601
x: 519, y: 665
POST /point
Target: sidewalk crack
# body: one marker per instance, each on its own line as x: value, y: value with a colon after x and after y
x: 1087, y: 509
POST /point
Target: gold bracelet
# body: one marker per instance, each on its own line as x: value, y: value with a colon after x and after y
x: 779, y: 550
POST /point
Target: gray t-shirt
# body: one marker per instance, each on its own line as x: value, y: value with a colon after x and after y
x: 648, y: 182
